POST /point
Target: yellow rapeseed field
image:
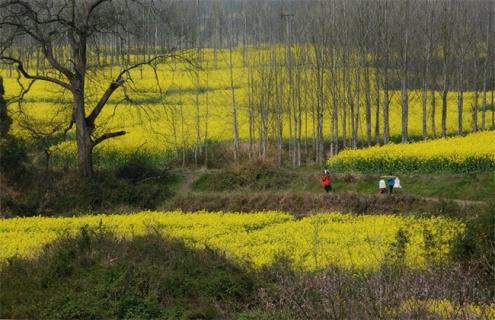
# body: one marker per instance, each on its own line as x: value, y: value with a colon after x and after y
x: 475, y: 152
x: 361, y: 242
x: 163, y: 117
x: 448, y: 309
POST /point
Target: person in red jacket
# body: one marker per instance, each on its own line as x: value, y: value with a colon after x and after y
x: 326, y: 183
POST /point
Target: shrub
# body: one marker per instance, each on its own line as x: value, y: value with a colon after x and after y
x: 13, y: 155
x: 477, y: 244
x: 138, y: 168
x: 98, y: 276
x: 253, y: 176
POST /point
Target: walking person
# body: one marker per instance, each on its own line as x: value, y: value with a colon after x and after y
x: 326, y: 183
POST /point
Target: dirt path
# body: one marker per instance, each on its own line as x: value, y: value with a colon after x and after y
x: 457, y: 201
x: 186, y: 185
x: 303, y: 202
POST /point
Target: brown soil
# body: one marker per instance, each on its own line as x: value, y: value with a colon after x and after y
x: 301, y: 204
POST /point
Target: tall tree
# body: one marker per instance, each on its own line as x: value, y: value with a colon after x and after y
x: 446, y: 26
x: 404, y: 51
x: 66, y: 33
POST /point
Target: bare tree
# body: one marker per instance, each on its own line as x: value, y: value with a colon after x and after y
x: 446, y: 26
x: 66, y: 33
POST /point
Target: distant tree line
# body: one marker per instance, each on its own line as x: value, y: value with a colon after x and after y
x: 325, y: 65
x: 343, y: 60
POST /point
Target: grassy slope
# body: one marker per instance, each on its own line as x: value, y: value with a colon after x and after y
x: 472, y: 187
x: 99, y: 276
x: 256, y: 188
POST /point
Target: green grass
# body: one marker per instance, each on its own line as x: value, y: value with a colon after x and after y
x: 474, y: 187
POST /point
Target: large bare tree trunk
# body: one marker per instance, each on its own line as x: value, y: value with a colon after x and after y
x: 83, y: 134
x: 5, y: 120
x: 75, y: 25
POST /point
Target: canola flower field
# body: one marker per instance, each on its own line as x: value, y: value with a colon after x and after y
x: 448, y: 309
x: 352, y: 242
x: 475, y: 152
x: 161, y: 118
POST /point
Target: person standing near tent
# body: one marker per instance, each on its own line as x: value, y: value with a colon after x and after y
x: 326, y: 183
x: 390, y: 184
x: 382, y: 186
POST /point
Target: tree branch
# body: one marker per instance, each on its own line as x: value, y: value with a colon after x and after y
x: 115, y: 84
x: 108, y: 135
x: 26, y: 75
x: 93, y: 7
x: 24, y: 91
x: 44, y: 40
x: 71, y: 124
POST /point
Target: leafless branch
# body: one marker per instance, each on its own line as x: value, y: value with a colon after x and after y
x: 106, y: 136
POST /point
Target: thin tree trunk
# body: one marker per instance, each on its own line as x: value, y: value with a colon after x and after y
x: 404, y: 77
x: 377, y: 102
x: 485, y: 70
x: 475, y: 109
x: 426, y: 72
x: 475, y: 99
x: 205, y: 151
x: 433, y: 113
x: 460, y: 98
x: 368, y: 105
x: 235, y: 127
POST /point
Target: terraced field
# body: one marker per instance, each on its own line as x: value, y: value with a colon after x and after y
x: 316, y: 242
x: 475, y: 152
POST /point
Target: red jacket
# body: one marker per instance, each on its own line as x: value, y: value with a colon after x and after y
x: 325, y: 181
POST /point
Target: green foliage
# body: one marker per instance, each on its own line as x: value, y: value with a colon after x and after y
x: 429, y: 246
x: 477, y: 244
x: 98, y: 276
x: 13, y: 155
x: 445, y: 207
x: 399, y: 246
x: 60, y: 192
x: 139, y: 168
x: 254, y: 176
x: 5, y: 119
